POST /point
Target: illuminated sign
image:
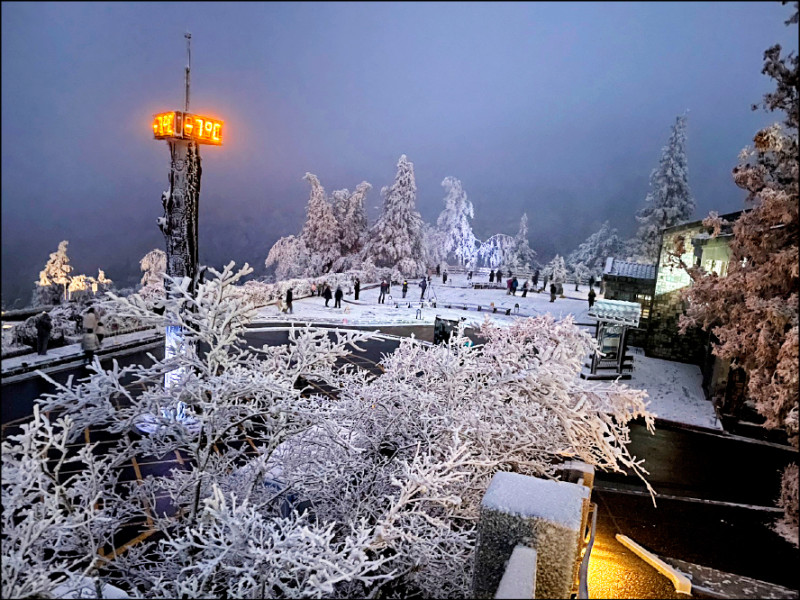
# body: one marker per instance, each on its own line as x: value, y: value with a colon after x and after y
x: 181, y: 125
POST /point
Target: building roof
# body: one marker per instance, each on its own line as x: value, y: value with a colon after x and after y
x: 620, y: 268
x: 617, y: 311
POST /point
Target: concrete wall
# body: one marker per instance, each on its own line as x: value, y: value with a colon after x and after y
x: 545, y: 515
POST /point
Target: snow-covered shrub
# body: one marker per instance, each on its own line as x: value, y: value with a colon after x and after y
x: 154, y: 266
x: 416, y: 446
x: 393, y: 465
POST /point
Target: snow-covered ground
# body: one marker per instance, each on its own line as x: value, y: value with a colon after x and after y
x: 674, y: 389
x: 367, y: 311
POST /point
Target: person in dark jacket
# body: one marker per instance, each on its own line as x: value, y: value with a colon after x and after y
x: 444, y: 276
x: 536, y: 279
x: 384, y: 290
x: 100, y: 332
x: 525, y: 289
x: 405, y: 287
x: 591, y: 281
x: 592, y: 296
x: 289, y: 297
x: 514, y: 286
x: 552, y: 292
x: 491, y: 276
x: 44, y: 325
x: 424, y: 285
x: 438, y: 269
x: 357, y: 287
x: 326, y: 293
x: 469, y: 276
x: 338, y: 297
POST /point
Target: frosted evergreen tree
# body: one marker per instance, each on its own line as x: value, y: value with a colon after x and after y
x: 500, y: 249
x: 153, y: 266
x: 556, y: 272
x: 290, y: 257
x: 458, y: 241
x: 433, y: 245
x: 591, y: 255
x: 525, y: 256
x: 396, y: 238
x: 56, y: 271
x: 352, y: 217
x: 669, y: 201
x: 321, y: 230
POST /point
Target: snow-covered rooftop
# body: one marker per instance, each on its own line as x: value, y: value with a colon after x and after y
x: 617, y: 311
x: 620, y: 268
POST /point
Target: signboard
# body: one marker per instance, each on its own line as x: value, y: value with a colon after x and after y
x: 182, y: 125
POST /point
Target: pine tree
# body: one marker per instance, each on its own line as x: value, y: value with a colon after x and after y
x: 57, y: 270
x: 396, y: 238
x: 753, y: 311
x: 153, y: 265
x: 457, y: 239
x: 320, y: 233
x: 524, y: 255
x: 500, y: 249
x: 351, y: 217
x: 290, y: 257
x: 669, y: 201
x: 556, y: 272
x: 590, y: 256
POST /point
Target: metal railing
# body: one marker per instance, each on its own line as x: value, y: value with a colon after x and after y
x: 588, y: 539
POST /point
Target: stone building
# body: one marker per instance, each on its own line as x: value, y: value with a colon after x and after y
x: 631, y: 282
x: 663, y: 339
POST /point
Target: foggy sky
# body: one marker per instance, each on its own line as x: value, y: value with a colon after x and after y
x: 557, y: 109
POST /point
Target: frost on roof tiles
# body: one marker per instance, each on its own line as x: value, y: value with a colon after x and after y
x: 617, y: 311
x: 621, y: 268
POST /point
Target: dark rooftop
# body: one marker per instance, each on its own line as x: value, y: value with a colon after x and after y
x: 620, y: 268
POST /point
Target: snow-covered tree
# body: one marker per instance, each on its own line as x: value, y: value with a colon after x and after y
x: 458, y: 241
x: 321, y: 234
x: 669, y: 201
x: 290, y: 257
x: 351, y: 217
x: 395, y: 241
x: 589, y: 258
x: 753, y: 310
x: 556, y: 272
x: 433, y: 245
x: 57, y: 270
x: 524, y: 255
x: 500, y: 249
x: 392, y: 477
x: 153, y: 265
x: 101, y: 283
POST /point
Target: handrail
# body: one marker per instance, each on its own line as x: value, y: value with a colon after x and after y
x: 583, y: 575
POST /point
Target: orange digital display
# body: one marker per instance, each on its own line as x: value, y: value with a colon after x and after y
x: 181, y: 125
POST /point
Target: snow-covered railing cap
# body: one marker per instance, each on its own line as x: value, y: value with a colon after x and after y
x: 617, y: 311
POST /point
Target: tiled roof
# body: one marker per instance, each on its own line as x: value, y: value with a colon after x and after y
x: 621, y: 268
x: 617, y: 311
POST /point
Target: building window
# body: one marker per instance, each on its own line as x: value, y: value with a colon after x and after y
x: 644, y: 300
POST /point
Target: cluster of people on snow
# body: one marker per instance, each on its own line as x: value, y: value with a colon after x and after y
x: 93, y: 332
x: 324, y: 290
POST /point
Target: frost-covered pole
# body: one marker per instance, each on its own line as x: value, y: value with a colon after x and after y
x: 181, y: 203
x: 184, y: 132
x: 188, y: 37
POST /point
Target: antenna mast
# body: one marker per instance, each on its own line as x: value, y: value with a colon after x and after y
x: 188, y: 37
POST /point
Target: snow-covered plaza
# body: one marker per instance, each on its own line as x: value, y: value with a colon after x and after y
x: 674, y: 389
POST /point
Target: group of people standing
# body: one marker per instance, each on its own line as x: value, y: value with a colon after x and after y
x: 324, y: 292
x: 93, y: 332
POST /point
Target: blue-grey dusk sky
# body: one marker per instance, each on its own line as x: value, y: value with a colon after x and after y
x: 558, y: 109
